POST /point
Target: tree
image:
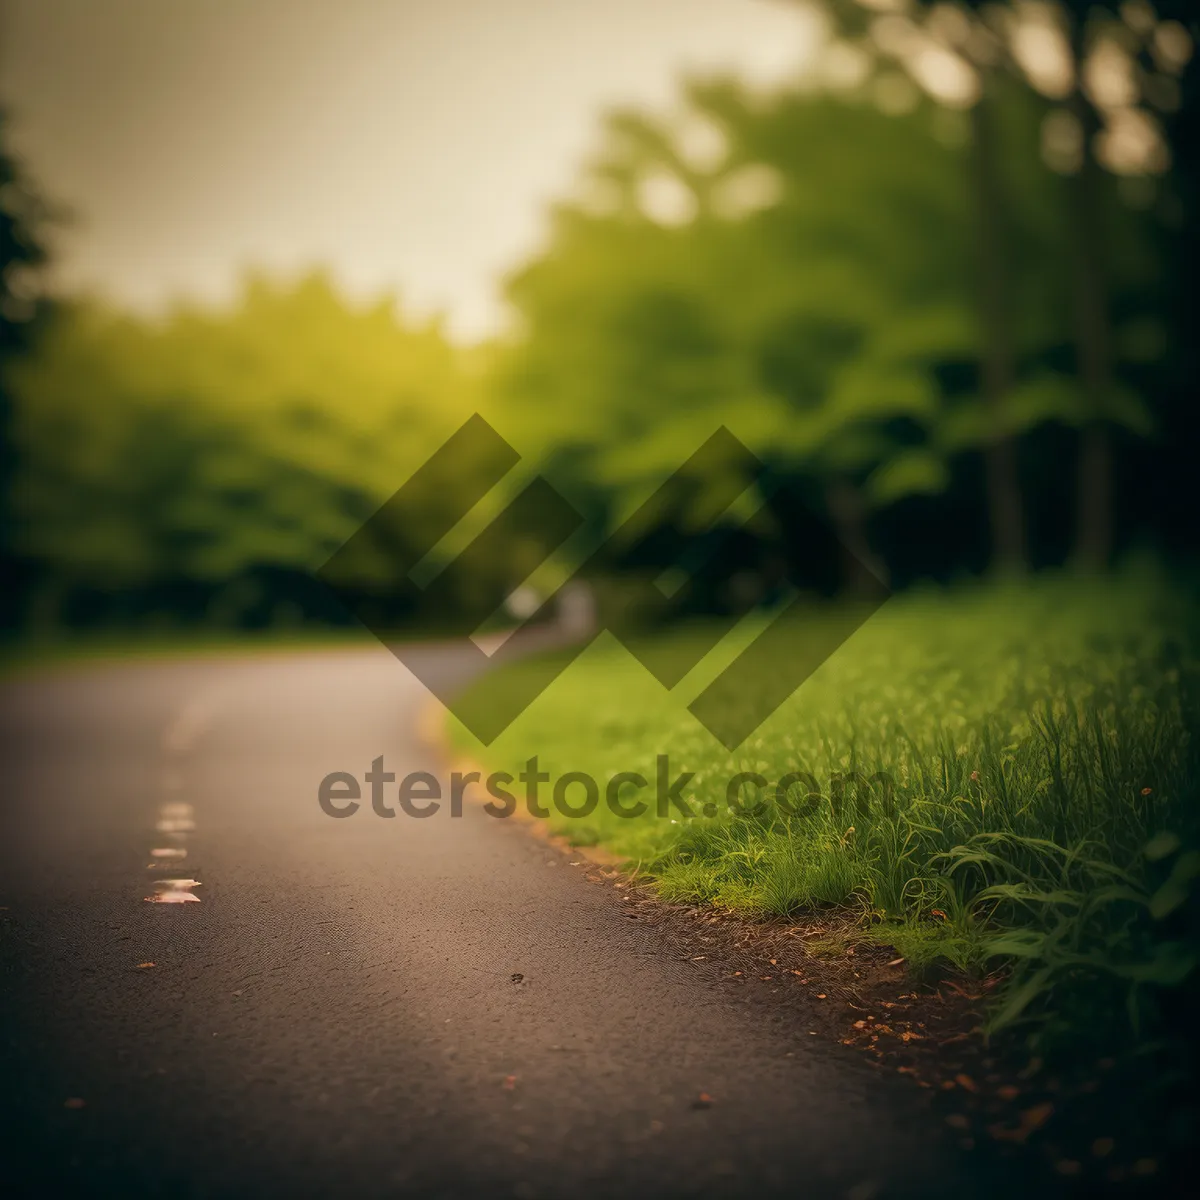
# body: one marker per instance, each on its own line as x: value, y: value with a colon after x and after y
x: 23, y: 220
x: 780, y: 285
x: 1110, y: 66
x: 1105, y: 90
x: 1110, y: 70
x: 225, y: 455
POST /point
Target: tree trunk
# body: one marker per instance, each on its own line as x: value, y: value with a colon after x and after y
x: 1005, y: 510
x: 863, y: 574
x: 1093, y: 540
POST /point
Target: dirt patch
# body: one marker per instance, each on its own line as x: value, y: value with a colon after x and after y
x: 1087, y: 1126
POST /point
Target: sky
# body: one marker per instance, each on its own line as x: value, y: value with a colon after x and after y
x: 411, y: 146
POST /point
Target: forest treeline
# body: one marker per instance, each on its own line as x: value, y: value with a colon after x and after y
x: 940, y: 286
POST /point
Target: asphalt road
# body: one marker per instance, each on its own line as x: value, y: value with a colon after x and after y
x: 336, y: 1014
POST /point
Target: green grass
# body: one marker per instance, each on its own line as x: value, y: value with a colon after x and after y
x: 1043, y: 814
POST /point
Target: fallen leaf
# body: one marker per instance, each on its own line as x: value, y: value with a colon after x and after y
x: 74, y: 1102
x: 1103, y: 1147
x: 958, y: 1121
x: 960, y: 990
x: 966, y: 1083
x: 1008, y: 1092
x: 1035, y: 1065
x: 1145, y: 1166
x: 143, y: 966
x: 1028, y: 1120
x: 704, y: 1100
x: 1067, y: 1166
x: 1037, y: 1116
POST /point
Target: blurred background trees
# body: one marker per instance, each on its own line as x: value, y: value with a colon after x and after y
x: 940, y: 288
x: 201, y: 467
x: 23, y: 218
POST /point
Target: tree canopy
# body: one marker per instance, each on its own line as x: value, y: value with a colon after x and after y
x: 874, y: 277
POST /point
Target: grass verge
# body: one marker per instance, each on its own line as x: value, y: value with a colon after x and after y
x: 1001, y: 777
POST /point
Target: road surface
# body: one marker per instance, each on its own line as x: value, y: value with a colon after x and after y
x: 332, y: 1008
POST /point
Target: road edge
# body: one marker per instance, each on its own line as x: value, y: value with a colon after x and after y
x: 432, y: 732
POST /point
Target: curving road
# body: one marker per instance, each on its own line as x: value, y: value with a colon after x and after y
x: 332, y: 1010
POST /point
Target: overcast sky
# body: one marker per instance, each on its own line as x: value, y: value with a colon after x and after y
x: 409, y: 144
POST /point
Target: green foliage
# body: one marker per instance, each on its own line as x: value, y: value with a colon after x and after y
x: 777, y: 318
x: 213, y: 443
x: 813, y: 285
x: 809, y: 281
x: 24, y: 215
